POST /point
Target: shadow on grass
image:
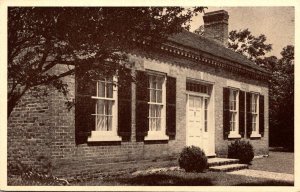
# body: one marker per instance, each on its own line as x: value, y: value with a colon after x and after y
x: 165, y: 180
x: 268, y: 183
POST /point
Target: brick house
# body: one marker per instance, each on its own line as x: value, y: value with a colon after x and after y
x: 190, y: 90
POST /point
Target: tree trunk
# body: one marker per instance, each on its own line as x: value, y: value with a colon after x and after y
x: 12, y: 102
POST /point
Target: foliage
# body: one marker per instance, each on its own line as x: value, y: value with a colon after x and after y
x: 21, y: 174
x: 245, y: 43
x: 242, y: 150
x: 192, y: 158
x: 93, y: 39
x: 282, y: 100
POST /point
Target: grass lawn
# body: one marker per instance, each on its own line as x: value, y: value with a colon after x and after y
x: 181, y: 178
x: 281, y: 162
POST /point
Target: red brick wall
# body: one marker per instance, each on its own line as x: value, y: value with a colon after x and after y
x: 45, y: 126
x: 30, y: 130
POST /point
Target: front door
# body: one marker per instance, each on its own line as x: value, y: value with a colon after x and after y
x: 197, y: 132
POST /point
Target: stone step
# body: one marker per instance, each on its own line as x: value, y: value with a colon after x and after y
x: 221, y: 161
x: 229, y: 167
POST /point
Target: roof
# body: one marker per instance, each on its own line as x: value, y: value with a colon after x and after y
x: 194, y: 41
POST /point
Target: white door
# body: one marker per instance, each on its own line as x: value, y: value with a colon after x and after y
x: 197, y: 132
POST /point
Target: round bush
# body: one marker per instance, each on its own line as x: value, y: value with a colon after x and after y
x: 192, y: 159
x: 241, y: 150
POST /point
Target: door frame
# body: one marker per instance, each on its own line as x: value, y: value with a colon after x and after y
x: 211, y: 119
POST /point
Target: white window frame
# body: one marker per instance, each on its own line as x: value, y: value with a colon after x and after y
x: 112, y: 135
x: 161, y: 134
x: 234, y: 133
x: 255, y: 133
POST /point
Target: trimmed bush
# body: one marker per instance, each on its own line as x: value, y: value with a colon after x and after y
x: 241, y: 150
x: 192, y: 159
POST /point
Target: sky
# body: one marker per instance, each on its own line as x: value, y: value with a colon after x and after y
x: 277, y: 23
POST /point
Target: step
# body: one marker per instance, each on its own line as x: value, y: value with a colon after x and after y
x: 227, y: 168
x: 221, y: 161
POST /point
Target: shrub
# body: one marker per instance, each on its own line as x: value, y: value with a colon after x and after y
x: 241, y: 150
x: 192, y: 159
x: 20, y: 174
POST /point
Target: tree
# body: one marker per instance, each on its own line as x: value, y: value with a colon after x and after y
x: 93, y: 40
x: 282, y: 100
x: 243, y: 42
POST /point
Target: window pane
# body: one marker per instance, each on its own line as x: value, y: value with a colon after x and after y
x: 159, y: 96
x: 100, y: 123
x: 108, y: 107
x: 100, y: 107
x: 152, y: 123
x: 152, y: 111
x: 109, y: 90
x: 109, y: 124
x: 159, y: 82
x: 158, y: 124
x: 158, y: 111
x: 152, y: 82
x: 101, y: 89
x: 152, y: 95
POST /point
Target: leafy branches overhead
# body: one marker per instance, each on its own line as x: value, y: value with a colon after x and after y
x: 90, y: 38
x: 245, y: 43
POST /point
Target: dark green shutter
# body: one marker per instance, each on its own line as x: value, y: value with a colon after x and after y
x: 124, y: 104
x: 242, y: 113
x: 226, y: 113
x: 261, y: 115
x: 142, y: 106
x: 171, y: 106
x: 84, y: 108
x: 249, y: 115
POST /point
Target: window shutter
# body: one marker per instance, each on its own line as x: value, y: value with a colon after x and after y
x: 84, y: 108
x: 171, y: 106
x: 124, y: 105
x: 226, y: 113
x: 261, y: 115
x: 142, y: 107
x: 242, y: 113
x: 249, y: 115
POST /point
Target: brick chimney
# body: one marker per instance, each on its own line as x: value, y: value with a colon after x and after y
x: 216, y: 26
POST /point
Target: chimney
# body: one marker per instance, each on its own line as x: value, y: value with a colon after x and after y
x: 216, y: 26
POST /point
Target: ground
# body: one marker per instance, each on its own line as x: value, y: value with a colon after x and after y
x: 280, y: 162
x: 273, y: 163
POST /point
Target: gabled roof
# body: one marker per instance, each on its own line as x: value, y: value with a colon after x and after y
x: 200, y: 43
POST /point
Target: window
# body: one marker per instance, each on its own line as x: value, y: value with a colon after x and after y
x: 157, y: 107
x: 104, y: 105
x: 234, y: 112
x: 196, y: 87
x: 105, y: 111
x: 254, y: 114
x: 205, y: 114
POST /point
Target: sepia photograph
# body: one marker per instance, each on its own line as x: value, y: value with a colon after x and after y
x: 150, y: 96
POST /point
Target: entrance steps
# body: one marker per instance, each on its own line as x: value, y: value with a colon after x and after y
x: 225, y: 165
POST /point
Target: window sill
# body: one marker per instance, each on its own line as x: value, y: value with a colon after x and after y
x: 98, y: 136
x: 156, y: 136
x: 234, y: 136
x: 255, y: 135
